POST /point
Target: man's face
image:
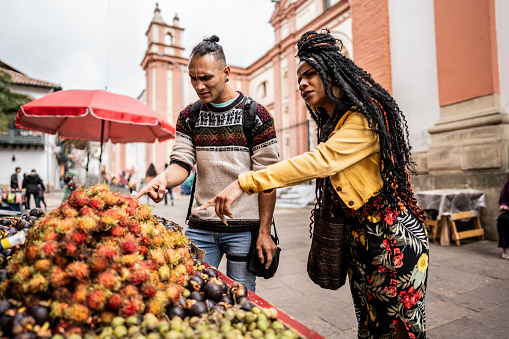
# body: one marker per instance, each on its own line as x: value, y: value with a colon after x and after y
x: 18, y: 170
x: 208, y: 77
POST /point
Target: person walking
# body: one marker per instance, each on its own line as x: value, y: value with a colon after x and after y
x: 41, y: 196
x: 17, y: 179
x: 218, y: 146
x: 31, y: 183
x: 503, y: 220
x: 361, y: 164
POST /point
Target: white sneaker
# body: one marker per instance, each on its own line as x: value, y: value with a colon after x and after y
x: 505, y: 256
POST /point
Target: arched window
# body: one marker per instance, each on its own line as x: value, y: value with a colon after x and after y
x: 168, y: 39
x: 262, y: 89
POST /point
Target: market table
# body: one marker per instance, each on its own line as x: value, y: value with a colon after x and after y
x: 450, y: 201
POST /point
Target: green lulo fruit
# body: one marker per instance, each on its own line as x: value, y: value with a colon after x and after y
x: 173, y: 335
x: 133, y: 330
x: 107, y: 331
x: 240, y: 314
x: 153, y: 335
x: 117, y: 321
x: 164, y: 327
x: 176, y: 324
x: 288, y: 334
x: 120, y: 331
x: 261, y: 317
x: 270, y: 336
x: 132, y: 321
x: 249, y: 317
x: 139, y: 336
x: 276, y: 325
x: 257, y: 333
x: 74, y: 336
x: 252, y: 326
x: 256, y: 310
x: 262, y: 325
x: 57, y: 336
x: 150, y: 321
x: 226, y: 327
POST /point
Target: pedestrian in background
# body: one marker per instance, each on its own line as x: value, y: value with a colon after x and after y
x: 503, y: 221
x: 17, y: 179
x: 41, y: 196
x: 31, y: 183
x: 360, y: 166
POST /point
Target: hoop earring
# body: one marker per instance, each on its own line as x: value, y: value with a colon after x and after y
x: 226, y: 80
x: 337, y: 92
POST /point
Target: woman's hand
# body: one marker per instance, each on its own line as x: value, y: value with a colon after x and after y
x: 223, y: 200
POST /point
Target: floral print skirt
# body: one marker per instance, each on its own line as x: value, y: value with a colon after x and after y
x: 388, y: 269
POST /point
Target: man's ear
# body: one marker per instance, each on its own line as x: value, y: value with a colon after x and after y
x: 226, y: 71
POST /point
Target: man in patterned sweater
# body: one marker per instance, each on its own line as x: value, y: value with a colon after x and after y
x: 218, y: 147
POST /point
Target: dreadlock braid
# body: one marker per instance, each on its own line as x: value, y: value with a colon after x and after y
x: 322, y: 52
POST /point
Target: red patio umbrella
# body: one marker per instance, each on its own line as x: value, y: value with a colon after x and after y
x: 94, y: 115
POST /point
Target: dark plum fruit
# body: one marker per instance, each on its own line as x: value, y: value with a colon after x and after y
x: 26, y: 230
x: 197, y: 309
x: 5, y: 222
x: 218, y: 307
x: 39, y: 313
x: 214, y: 290
x: 226, y: 300
x: 12, y: 231
x: 176, y: 311
x: 210, y: 272
x: 3, y: 275
x: 182, y: 301
x: 210, y: 303
x: 21, y: 224
x: 32, y: 218
x: 6, y: 325
x: 7, y: 253
x: 238, y: 290
x: 25, y: 335
x: 246, y: 304
x: 198, y: 262
x: 24, y: 216
x: 36, y: 212
x: 4, y: 306
x: 196, y: 283
x: 197, y: 295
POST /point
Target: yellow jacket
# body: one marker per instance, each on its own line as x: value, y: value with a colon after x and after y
x: 350, y: 157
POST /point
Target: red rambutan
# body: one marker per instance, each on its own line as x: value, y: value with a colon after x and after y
x: 87, y: 211
x: 129, y: 247
x: 109, y: 280
x: 96, y: 204
x: 110, y: 198
x: 108, y: 251
x: 32, y: 252
x: 50, y: 236
x: 172, y: 256
x: 97, y: 264
x: 144, y: 240
x: 49, y: 249
x: 97, y: 299
x: 65, y: 225
x: 70, y: 248
x: 69, y: 212
x: 115, y: 302
x: 133, y: 306
x: 143, y: 250
x: 87, y: 224
x: 117, y: 231
x: 129, y: 291
x: 148, y: 290
x: 158, y: 256
x: 77, y: 269
x: 144, y: 212
x: 80, y: 296
x: 138, y: 277
x: 134, y: 228
x: 155, y: 306
x: 173, y: 292
x: 79, y: 238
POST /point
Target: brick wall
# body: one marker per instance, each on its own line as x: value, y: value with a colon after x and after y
x: 371, y: 44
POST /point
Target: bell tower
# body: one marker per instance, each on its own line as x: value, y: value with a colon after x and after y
x: 164, y: 65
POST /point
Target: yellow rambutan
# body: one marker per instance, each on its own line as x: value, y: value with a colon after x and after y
x: 96, y: 189
x: 173, y: 292
x: 69, y: 212
x: 51, y: 235
x: 58, y: 277
x: 158, y: 256
x: 144, y: 212
x: 110, y: 198
x: 22, y: 274
x: 57, y: 309
x: 155, y: 306
x: 77, y: 269
x: 87, y: 224
x: 32, y: 252
x: 130, y: 259
x: 106, y: 317
x: 38, y: 283
x: 63, y: 226
x: 43, y: 265
x: 164, y: 272
x: 129, y: 291
x: 157, y: 241
x: 77, y: 313
x: 79, y: 296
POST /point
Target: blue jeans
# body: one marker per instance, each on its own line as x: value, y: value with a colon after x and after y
x: 215, y: 244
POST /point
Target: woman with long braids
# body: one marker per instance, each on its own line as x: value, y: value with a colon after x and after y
x: 361, y: 167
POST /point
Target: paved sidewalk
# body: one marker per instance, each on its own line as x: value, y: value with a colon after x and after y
x: 468, y: 286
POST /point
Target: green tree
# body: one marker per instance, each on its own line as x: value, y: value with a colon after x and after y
x: 9, y: 101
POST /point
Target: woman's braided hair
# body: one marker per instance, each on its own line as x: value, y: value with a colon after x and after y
x: 322, y: 52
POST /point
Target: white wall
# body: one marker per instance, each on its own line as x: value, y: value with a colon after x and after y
x: 502, y: 26
x: 414, y: 69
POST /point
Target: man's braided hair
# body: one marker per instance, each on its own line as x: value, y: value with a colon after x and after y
x: 322, y: 52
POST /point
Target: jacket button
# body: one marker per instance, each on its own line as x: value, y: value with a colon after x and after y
x: 350, y: 203
x: 339, y: 189
x: 251, y: 191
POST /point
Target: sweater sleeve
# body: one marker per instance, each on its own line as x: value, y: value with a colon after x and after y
x: 265, y: 146
x: 353, y: 142
x: 183, y: 152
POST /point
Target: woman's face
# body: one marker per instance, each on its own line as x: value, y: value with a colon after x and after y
x: 311, y: 87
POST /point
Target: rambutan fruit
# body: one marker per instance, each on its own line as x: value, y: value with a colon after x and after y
x: 125, y: 273
x: 58, y: 309
x: 144, y: 240
x: 164, y: 272
x: 49, y: 249
x: 77, y: 269
x: 173, y: 292
x: 43, y: 265
x: 155, y: 306
x: 180, y: 269
x: 138, y: 277
x: 148, y: 290
x: 87, y: 224
x: 158, y: 256
x: 50, y: 236
x: 182, y: 279
x: 144, y: 212
x: 58, y: 277
x: 61, y: 260
x: 157, y: 241
x: 131, y: 211
x: 109, y: 280
x: 129, y: 291
x: 117, y: 231
x: 106, y: 317
x: 108, y: 251
x: 32, y: 252
x: 129, y: 247
x: 69, y: 212
x: 79, y: 296
x: 97, y: 263
x: 79, y: 238
x: 130, y: 259
x: 38, y: 283
x: 96, y: 204
x: 110, y: 198
x: 63, y: 226
x: 143, y: 250
x: 107, y: 222
x: 87, y: 211
x: 172, y: 256
x: 133, y: 306
x: 70, y: 248
x: 97, y: 189
x: 97, y: 300
x: 116, y: 213
x: 115, y: 302
x: 151, y: 264
x: 77, y: 313
x: 134, y: 228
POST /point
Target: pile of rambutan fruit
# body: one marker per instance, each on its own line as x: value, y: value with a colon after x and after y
x: 103, y: 266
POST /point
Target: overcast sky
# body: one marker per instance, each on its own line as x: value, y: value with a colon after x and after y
x: 94, y: 44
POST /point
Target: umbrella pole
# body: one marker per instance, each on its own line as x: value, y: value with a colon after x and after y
x: 101, y: 180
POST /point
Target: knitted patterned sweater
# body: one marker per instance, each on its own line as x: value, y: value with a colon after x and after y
x: 218, y: 147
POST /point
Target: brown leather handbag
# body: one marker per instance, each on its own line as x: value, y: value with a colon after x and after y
x: 326, y: 260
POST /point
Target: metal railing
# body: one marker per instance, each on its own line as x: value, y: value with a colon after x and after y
x: 21, y: 137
